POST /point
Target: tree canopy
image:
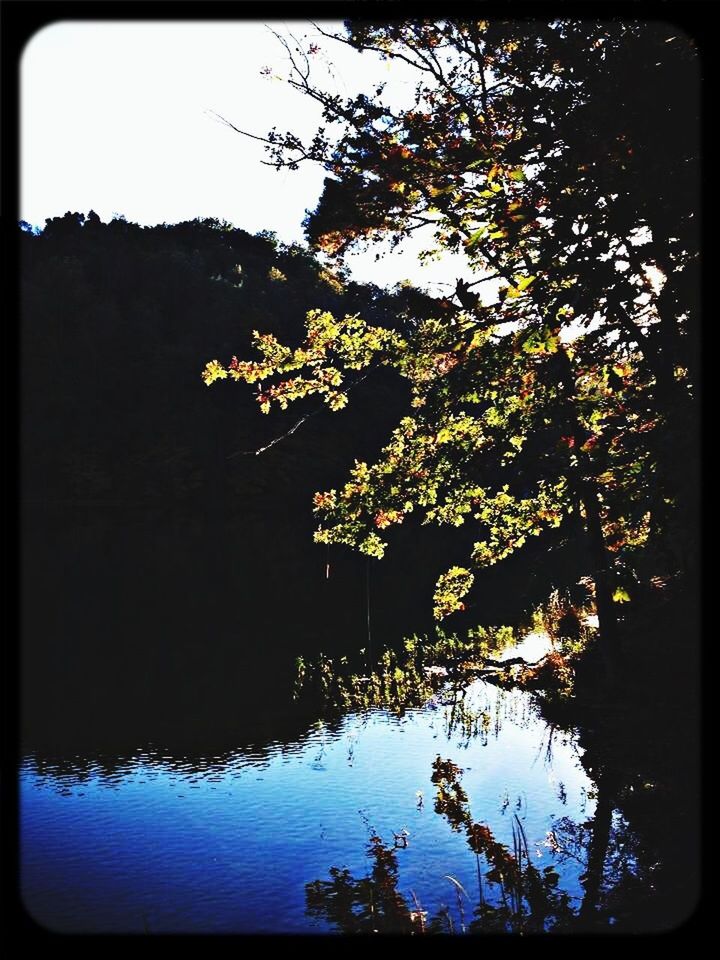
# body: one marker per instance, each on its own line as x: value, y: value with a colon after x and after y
x: 561, y: 159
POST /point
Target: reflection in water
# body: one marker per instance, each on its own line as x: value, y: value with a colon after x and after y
x: 513, y: 895
x: 232, y: 843
x: 370, y: 904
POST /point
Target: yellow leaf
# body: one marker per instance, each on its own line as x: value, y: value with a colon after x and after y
x: 213, y: 371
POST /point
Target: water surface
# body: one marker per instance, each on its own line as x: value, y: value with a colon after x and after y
x: 228, y: 843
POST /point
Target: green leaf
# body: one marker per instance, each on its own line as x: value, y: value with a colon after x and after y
x: 475, y: 238
x: 521, y: 284
x: 541, y: 341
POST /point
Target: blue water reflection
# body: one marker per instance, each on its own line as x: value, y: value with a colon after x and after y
x: 228, y: 844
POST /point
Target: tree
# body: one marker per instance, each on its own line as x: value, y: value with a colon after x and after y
x: 561, y: 159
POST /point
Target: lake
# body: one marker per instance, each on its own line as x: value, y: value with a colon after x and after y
x: 169, y: 783
x: 228, y: 843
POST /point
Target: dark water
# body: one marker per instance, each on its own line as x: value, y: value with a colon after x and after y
x: 228, y: 843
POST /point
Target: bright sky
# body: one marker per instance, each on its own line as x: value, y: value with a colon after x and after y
x: 115, y: 117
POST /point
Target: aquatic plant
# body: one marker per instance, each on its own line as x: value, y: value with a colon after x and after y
x: 398, y: 680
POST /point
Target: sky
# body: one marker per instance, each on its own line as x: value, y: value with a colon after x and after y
x: 117, y: 117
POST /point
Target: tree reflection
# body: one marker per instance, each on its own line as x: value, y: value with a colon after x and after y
x: 513, y: 895
x: 370, y: 904
x: 615, y: 877
x: 529, y: 900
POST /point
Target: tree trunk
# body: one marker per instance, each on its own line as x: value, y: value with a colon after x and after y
x: 603, y: 577
x: 588, y: 497
x: 602, y: 825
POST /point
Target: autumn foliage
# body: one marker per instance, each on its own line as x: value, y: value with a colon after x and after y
x: 537, y: 151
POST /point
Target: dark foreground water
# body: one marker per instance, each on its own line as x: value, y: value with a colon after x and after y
x: 230, y: 842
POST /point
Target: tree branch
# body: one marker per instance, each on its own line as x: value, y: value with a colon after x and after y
x: 295, y: 426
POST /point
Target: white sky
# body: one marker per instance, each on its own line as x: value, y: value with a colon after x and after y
x: 114, y: 118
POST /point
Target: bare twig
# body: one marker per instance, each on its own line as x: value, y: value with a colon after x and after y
x: 272, y: 443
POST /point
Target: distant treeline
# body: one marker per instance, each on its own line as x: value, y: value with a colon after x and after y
x: 118, y: 321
